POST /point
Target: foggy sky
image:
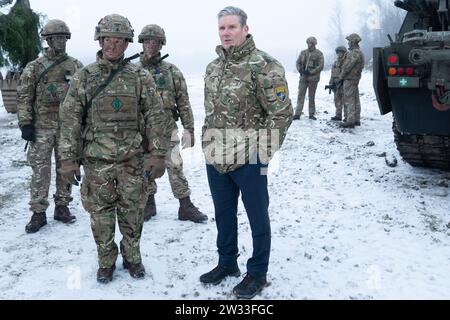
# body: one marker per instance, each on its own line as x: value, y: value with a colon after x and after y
x: 280, y: 27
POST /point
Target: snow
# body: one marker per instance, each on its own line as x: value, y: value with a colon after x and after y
x: 344, y: 224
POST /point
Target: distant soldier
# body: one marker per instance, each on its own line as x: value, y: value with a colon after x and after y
x: 334, y: 82
x: 309, y: 65
x: 350, y: 76
x: 43, y: 86
x: 171, y: 86
x: 111, y: 107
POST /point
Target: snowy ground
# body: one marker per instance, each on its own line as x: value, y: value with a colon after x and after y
x: 344, y: 224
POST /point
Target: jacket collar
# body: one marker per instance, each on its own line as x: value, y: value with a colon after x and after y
x: 237, y: 53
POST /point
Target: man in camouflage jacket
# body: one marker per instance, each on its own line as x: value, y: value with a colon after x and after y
x: 104, y: 130
x: 248, y: 113
x: 350, y: 76
x: 309, y: 64
x: 43, y: 86
x: 171, y: 87
x: 334, y: 81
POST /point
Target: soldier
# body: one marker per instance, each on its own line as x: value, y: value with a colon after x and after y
x: 111, y: 107
x: 171, y: 87
x: 350, y: 77
x: 309, y: 65
x: 334, y: 82
x: 43, y: 86
x: 246, y: 95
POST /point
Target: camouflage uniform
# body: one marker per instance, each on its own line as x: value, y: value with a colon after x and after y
x: 311, y: 61
x: 171, y: 87
x: 351, y: 75
x: 38, y: 106
x: 110, y: 146
x: 246, y: 94
x: 334, y: 80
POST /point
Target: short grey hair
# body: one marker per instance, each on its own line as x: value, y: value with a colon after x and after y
x: 234, y: 11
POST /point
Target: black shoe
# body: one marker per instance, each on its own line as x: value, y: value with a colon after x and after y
x: 150, y: 208
x: 347, y: 125
x: 336, y: 119
x: 358, y: 123
x: 312, y: 118
x: 62, y: 214
x: 136, y: 271
x: 249, y: 287
x: 105, y: 275
x: 38, y: 220
x: 296, y: 118
x: 218, y: 274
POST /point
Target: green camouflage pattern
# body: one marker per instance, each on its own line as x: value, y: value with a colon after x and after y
x: 38, y: 105
x: 351, y: 74
x: 339, y: 93
x: 171, y: 87
x: 44, y: 97
x: 111, y: 147
x: 312, y: 61
x: 246, y: 101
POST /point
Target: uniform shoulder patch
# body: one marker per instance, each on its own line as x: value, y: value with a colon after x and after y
x: 281, y: 93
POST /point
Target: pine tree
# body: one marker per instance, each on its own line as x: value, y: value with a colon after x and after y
x: 19, y: 37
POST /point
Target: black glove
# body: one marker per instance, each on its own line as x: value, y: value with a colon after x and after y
x: 28, y: 133
x: 306, y: 73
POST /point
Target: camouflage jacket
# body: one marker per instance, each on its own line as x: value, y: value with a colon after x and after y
x: 172, y: 88
x: 125, y: 113
x: 313, y: 61
x: 336, y: 70
x: 353, y: 65
x: 246, y: 96
x: 38, y: 103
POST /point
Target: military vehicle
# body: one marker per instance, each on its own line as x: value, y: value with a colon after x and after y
x: 412, y: 79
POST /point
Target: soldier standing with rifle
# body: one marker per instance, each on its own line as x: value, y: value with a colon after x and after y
x: 350, y: 76
x: 111, y: 107
x: 171, y: 87
x: 309, y: 64
x: 336, y: 86
x: 43, y: 86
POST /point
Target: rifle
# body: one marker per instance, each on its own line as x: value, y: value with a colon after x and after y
x: 331, y: 88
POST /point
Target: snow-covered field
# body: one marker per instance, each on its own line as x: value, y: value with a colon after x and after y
x: 344, y: 224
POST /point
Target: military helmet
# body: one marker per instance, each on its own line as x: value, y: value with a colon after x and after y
x: 354, y: 37
x: 116, y: 26
x: 311, y: 40
x: 153, y: 31
x: 341, y: 49
x: 55, y: 27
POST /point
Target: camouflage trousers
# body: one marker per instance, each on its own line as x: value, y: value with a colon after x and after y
x: 113, y: 189
x: 40, y: 159
x: 339, y: 103
x: 178, y: 182
x: 351, y: 101
x: 303, y: 86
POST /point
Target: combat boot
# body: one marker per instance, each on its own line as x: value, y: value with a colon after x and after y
x: 105, y: 275
x: 62, y: 214
x: 312, y: 118
x: 150, y: 208
x: 336, y: 119
x: 136, y: 271
x: 296, y: 118
x: 38, y: 220
x: 347, y: 125
x: 190, y: 212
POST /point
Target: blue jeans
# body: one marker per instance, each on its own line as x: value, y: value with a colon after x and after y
x: 225, y: 188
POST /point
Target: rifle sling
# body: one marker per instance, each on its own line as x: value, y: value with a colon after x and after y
x: 103, y: 86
